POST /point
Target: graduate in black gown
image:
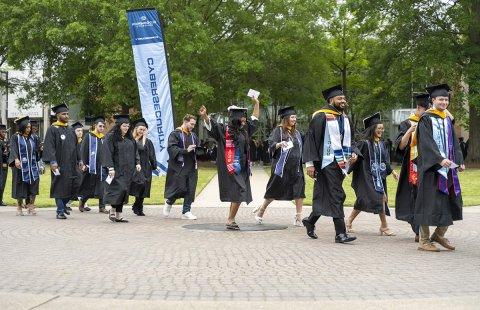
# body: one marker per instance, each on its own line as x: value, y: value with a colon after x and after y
x: 327, y: 152
x: 60, y: 150
x: 94, y: 175
x: 24, y: 162
x: 233, y: 156
x: 406, y: 148
x: 78, y: 129
x: 120, y: 156
x: 370, y: 173
x: 4, y: 153
x: 287, y: 181
x: 182, y: 172
x: 439, y: 198
x: 142, y: 183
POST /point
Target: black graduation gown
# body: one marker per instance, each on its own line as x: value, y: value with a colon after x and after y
x: 292, y: 183
x: 432, y: 207
x: 123, y: 157
x: 79, y: 179
x: 148, y: 162
x: 20, y: 189
x: 368, y: 199
x: 328, y: 193
x: 233, y: 187
x: 92, y: 185
x: 180, y: 174
x: 406, y: 192
x: 60, y: 146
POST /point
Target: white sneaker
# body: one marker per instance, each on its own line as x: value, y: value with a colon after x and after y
x: 166, y: 209
x: 188, y: 216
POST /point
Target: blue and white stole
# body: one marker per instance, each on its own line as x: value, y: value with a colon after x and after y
x: 377, y: 165
x: 443, y: 137
x: 28, y: 161
x: 333, y: 148
x: 92, y: 154
x: 183, y: 145
x: 280, y: 166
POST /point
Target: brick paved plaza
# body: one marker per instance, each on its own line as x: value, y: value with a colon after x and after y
x: 87, y: 260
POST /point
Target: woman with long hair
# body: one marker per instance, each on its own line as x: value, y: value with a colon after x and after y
x: 141, y: 185
x: 24, y: 162
x: 92, y: 185
x: 287, y: 181
x: 233, y: 160
x: 121, y: 158
x: 370, y: 175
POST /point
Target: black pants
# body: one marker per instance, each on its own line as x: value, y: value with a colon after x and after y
x: 3, y: 181
x: 118, y: 208
x: 138, y: 204
x: 338, y: 222
x: 415, y: 228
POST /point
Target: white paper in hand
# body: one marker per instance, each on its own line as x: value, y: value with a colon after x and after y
x: 288, y: 146
x: 252, y: 93
x: 109, y: 180
x: 453, y: 165
x: 56, y: 172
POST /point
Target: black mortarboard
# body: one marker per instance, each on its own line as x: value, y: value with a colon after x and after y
x: 438, y: 90
x: 77, y: 125
x: 3, y: 127
x: 33, y: 122
x: 90, y: 120
x: 423, y: 100
x: 372, y: 120
x: 22, y: 120
x: 287, y: 111
x: 334, y: 91
x: 60, y: 108
x: 140, y: 122
x: 237, y: 112
x: 121, y: 118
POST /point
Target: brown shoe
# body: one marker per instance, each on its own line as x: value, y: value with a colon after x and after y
x: 80, y: 206
x: 417, y: 238
x: 428, y: 246
x: 442, y: 241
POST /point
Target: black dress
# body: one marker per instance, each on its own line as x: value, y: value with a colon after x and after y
x: 182, y: 173
x: 369, y: 199
x: 233, y: 187
x: 21, y: 189
x: 289, y: 182
x: 433, y: 207
x: 92, y: 185
x: 60, y: 146
x: 148, y: 162
x: 123, y: 157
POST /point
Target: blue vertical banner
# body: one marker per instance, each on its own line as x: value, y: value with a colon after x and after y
x: 153, y: 79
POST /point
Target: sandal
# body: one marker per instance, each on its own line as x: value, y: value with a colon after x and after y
x: 348, y: 225
x: 232, y: 226
x: 386, y: 232
x: 111, y: 217
x: 121, y: 220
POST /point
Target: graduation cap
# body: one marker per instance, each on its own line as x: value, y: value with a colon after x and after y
x: 334, y: 91
x: 23, y: 120
x: 140, y: 122
x: 121, y: 118
x: 438, y: 90
x: 34, y: 122
x: 237, y: 112
x: 3, y: 127
x: 372, y: 120
x: 77, y: 125
x: 60, y: 108
x: 91, y: 120
x: 423, y: 100
x: 287, y: 111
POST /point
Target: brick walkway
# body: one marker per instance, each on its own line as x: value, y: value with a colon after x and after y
x: 153, y: 258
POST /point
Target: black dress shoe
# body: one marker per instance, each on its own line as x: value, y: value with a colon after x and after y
x: 141, y: 213
x: 2, y: 204
x: 310, y: 229
x: 66, y: 211
x: 344, y: 238
x: 135, y: 210
x: 61, y: 217
x: 87, y: 209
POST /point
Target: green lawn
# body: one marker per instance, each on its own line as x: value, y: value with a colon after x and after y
x: 469, y: 180
x: 205, y: 173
